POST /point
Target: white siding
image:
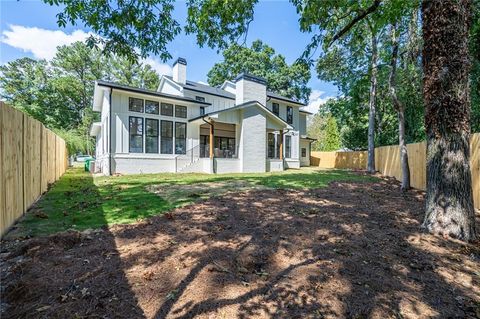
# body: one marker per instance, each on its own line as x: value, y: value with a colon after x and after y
x: 253, y: 151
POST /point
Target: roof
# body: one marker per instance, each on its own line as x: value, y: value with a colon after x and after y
x: 305, y: 111
x: 204, y: 88
x: 276, y: 96
x: 149, y: 92
x: 240, y: 106
x: 305, y: 137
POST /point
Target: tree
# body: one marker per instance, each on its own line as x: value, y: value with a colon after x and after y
x: 446, y: 66
x: 261, y: 60
x: 332, y: 136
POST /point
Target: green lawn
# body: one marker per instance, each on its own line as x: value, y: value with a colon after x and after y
x: 78, y: 201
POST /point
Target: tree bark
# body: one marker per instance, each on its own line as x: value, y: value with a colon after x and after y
x: 446, y: 68
x: 372, y: 105
x: 400, y: 108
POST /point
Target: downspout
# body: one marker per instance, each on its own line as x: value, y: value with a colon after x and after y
x: 210, y: 142
x: 110, y: 132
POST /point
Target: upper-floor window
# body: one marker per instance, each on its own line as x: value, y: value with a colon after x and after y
x: 135, y: 105
x: 289, y: 115
x: 275, y: 109
x: 151, y: 107
x: 166, y: 109
x: 200, y: 98
x: 181, y: 111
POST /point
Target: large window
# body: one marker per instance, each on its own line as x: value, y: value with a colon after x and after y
x: 275, y: 109
x: 166, y: 109
x: 151, y: 107
x: 136, y: 134
x: 289, y: 115
x: 288, y: 146
x: 180, y: 138
x: 166, y: 143
x: 273, y: 142
x: 151, y: 137
x: 181, y: 111
x: 135, y: 105
x: 224, y: 146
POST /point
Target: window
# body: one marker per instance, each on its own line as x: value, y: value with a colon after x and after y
x: 273, y: 145
x: 304, y: 152
x: 289, y: 115
x: 151, y: 107
x: 275, y: 109
x: 136, y: 134
x: 180, y: 138
x: 200, y: 98
x: 135, y: 105
x: 151, y: 137
x: 167, y: 137
x: 181, y: 111
x: 224, y: 146
x: 288, y: 146
x: 167, y: 109
x: 202, y: 110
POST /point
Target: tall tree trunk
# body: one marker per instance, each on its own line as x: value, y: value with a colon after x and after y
x: 372, y: 106
x: 400, y: 108
x: 446, y: 66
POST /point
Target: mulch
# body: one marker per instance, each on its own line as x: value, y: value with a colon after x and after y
x: 352, y: 250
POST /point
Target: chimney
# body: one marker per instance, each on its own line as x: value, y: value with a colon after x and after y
x: 250, y: 88
x: 180, y: 71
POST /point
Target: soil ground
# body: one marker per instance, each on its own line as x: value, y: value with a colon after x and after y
x: 350, y: 250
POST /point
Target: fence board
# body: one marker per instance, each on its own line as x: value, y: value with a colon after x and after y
x: 387, y: 162
x: 31, y: 157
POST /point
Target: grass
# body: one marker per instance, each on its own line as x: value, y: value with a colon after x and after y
x: 78, y: 201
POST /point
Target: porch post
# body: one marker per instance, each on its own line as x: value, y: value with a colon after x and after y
x: 281, y: 144
x: 211, y: 140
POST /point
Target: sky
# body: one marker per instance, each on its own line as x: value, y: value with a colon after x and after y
x: 29, y: 28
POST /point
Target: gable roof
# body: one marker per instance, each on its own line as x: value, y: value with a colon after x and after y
x: 241, y: 106
x: 203, y: 88
x: 219, y: 91
x: 148, y: 92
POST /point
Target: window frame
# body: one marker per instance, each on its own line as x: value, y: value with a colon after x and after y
x: 180, y: 107
x: 163, y: 113
x: 130, y: 133
x: 147, y: 135
x: 289, y: 114
x: 288, y: 146
x: 180, y: 139
x: 200, y: 98
x: 202, y: 110
x: 166, y: 137
x: 276, y: 109
x: 131, y: 99
x: 150, y: 101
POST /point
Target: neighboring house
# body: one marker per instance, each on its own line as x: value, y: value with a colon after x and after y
x: 187, y: 126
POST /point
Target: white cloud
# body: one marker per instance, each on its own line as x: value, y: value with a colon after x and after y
x: 317, y: 99
x: 161, y: 68
x: 42, y: 43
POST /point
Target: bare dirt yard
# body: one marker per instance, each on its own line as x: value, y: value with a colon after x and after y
x: 350, y: 250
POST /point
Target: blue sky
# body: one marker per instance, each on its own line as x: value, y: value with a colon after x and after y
x: 28, y: 28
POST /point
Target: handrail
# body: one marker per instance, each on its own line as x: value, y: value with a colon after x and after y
x: 189, y: 155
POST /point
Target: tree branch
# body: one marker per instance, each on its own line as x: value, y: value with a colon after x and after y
x: 361, y: 14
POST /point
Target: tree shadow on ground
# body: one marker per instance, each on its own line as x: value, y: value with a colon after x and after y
x: 69, y: 274
x: 351, y: 250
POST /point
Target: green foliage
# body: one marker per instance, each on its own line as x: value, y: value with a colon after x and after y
x: 77, y: 201
x: 59, y: 93
x: 332, y: 136
x: 261, y: 60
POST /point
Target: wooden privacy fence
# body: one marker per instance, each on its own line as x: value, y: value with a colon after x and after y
x: 387, y: 162
x: 31, y: 158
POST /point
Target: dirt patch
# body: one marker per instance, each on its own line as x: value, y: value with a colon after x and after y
x: 197, y: 191
x: 353, y: 250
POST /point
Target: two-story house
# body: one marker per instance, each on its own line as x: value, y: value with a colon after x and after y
x: 187, y: 126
